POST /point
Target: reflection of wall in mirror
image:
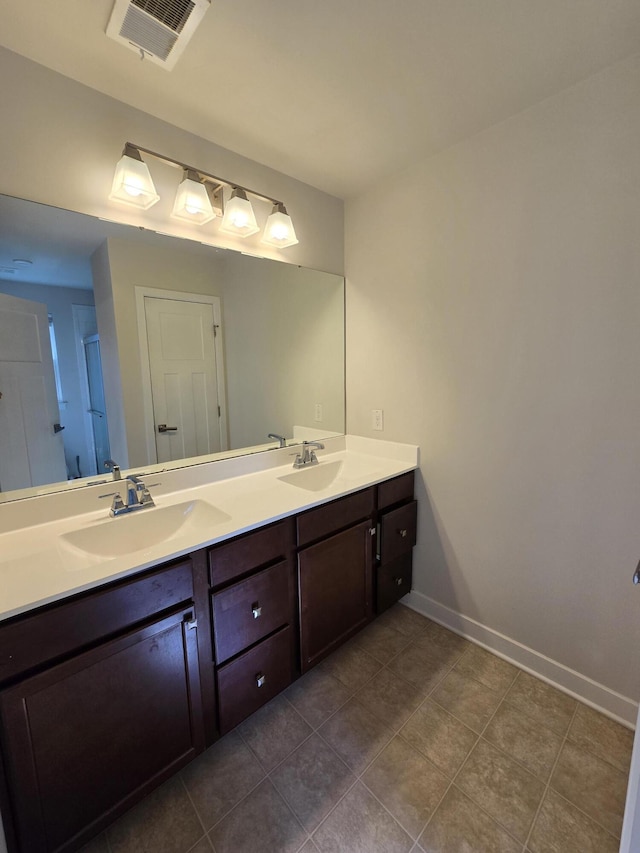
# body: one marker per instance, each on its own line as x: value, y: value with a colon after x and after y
x: 282, y: 331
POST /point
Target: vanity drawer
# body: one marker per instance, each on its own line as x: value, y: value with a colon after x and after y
x: 249, y: 552
x: 62, y: 629
x: 398, y: 532
x: 329, y: 518
x: 395, y: 491
x: 249, y: 610
x: 393, y: 581
x: 248, y: 682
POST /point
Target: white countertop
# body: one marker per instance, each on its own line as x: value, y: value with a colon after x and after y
x: 41, y: 562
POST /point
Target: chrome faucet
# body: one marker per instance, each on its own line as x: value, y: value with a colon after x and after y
x: 138, y: 496
x: 308, y: 456
x: 280, y: 438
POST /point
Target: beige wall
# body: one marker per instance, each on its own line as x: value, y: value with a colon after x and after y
x: 284, y: 349
x: 493, y: 299
x: 60, y: 142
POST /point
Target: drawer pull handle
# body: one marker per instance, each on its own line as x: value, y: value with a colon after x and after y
x: 398, y: 581
x: 261, y: 680
x: 257, y: 611
x: 403, y: 532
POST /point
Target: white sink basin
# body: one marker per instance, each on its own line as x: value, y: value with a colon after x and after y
x: 143, y: 528
x: 316, y: 477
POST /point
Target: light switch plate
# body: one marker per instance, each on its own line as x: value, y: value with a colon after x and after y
x: 377, y: 420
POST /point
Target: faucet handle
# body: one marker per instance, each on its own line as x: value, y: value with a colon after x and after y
x: 110, y: 465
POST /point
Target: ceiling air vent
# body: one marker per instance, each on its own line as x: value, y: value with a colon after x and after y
x: 157, y: 30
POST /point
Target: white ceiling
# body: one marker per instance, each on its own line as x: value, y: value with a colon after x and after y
x: 338, y: 93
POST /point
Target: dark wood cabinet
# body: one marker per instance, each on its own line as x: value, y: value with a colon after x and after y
x: 106, y: 694
x: 335, y: 591
x: 396, y: 535
x: 254, y: 620
x: 84, y: 739
x: 254, y: 677
x: 334, y: 574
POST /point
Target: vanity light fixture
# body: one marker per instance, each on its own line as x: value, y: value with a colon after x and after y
x: 279, y: 230
x: 200, y: 198
x: 192, y: 200
x: 239, y: 217
x: 132, y: 182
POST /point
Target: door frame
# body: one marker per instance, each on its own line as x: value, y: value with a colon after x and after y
x: 631, y: 824
x: 147, y: 399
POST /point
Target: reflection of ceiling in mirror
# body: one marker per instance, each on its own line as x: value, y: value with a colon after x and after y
x: 60, y: 242
x: 281, y: 324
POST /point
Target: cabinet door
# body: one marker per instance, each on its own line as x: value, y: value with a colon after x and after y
x: 335, y: 591
x: 85, y: 739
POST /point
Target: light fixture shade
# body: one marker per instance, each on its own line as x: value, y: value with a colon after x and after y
x: 132, y: 182
x: 279, y: 230
x: 192, y: 200
x: 239, y: 218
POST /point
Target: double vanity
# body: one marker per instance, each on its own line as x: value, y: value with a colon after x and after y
x: 130, y: 644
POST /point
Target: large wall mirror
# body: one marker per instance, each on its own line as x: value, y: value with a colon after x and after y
x: 120, y: 343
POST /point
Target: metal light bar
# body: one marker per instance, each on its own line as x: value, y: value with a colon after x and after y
x: 221, y: 182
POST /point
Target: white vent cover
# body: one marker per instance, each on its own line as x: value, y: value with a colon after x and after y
x: 156, y: 29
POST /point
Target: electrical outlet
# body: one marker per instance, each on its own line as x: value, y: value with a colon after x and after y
x: 377, y: 421
x: 318, y: 412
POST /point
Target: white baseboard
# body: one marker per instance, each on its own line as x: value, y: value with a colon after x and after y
x: 607, y: 701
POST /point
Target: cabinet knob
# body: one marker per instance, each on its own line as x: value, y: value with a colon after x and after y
x: 403, y: 532
x: 398, y: 581
x: 257, y: 611
x: 261, y: 680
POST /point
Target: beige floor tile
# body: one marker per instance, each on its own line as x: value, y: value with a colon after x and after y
x: 602, y: 736
x: 404, y: 620
x: 460, y: 826
x: 486, y: 668
x: 317, y: 695
x: 439, y: 638
x: 591, y: 784
x: 468, y: 700
x: 312, y: 780
x: 440, y: 737
x: 163, y: 822
x: 389, y: 698
x: 504, y: 789
x: 98, y: 845
x: 562, y: 828
x: 381, y: 641
x: 542, y: 702
x: 274, y: 732
x: 359, y: 824
x: 261, y: 823
x: 203, y: 846
x: 406, y: 783
x: 351, y: 665
x: 529, y: 742
x: 420, y: 667
x: 221, y: 777
x: 356, y: 735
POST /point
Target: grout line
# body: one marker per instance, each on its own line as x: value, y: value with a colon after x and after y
x: 193, y: 806
x: 460, y: 769
x: 548, y: 785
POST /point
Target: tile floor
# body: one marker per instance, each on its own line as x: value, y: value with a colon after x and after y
x: 408, y: 739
